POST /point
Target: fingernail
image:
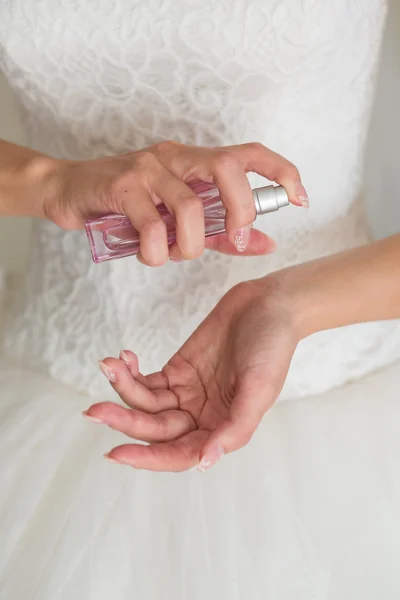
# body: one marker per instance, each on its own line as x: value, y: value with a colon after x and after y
x: 175, y: 260
x: 90, y: 418
x: 211, y: 457
x: 111, y: 376
x: 123, y: 356
x: 302, y: 195
x: 242, y: 238
x: 108, y: 457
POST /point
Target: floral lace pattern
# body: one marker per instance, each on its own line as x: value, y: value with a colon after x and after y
x: 96, y: 78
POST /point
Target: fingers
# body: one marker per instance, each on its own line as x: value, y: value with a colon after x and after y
x: 157, y: 176
x: 227, y: 168
x: 259, y: 244
x: 133, y: 392
x: 258, y: 159
x: 236, y: 193
x: 131, y: 362
x: 148, y: 184
x: 254, y: 397
x: 139, y: 425
x: 154, y: 381
x: 187, y: 210
x: 145, y: 218
x: 179, y: 455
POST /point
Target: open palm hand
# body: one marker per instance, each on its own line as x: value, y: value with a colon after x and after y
x: 212, y: 394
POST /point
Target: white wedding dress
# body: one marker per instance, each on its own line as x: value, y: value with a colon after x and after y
x: 309, y: 508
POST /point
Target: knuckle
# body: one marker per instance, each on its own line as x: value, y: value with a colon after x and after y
x: 154, y: 224
x: 165, y: 147
x: 286, y: 170
x: 189, y: 204
x: 256, y: 147
x: 145, y: 161
x: 227, y: 160
x: 291, y: 171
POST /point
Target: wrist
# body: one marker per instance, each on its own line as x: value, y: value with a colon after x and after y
x: 282, y: 297
x: 354, y: 286
x: 299, y: 297
x: 39, y: 174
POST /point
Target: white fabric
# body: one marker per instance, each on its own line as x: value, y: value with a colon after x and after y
x: 94, y: 78
x: 308, y: 510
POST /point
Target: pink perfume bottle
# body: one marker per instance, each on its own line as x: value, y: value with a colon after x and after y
x: 113, y: 236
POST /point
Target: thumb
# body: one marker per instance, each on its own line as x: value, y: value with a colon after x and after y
x: 254, y: 397
x: 259, y: 244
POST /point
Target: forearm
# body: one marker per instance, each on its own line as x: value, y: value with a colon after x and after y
x: 355, y: 286
x: 24, y: 180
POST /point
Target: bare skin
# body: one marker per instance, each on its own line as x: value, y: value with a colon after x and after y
x: 70, y: 192
x: 210, y: 397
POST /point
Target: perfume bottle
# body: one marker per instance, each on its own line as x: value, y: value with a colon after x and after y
x: 113, y: 236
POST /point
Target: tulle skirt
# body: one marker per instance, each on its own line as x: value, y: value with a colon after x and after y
x: 310, y: 509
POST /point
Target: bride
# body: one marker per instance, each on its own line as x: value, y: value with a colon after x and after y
x: 308, y: 508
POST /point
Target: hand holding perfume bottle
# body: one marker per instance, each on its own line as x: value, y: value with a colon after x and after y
x: 114, y: 236
x: 158, y: 214
x: 176, y: 200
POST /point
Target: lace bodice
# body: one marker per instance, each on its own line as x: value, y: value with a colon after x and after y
x: 96, y: 78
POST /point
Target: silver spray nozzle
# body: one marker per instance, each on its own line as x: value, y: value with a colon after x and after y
x: 270, y: 198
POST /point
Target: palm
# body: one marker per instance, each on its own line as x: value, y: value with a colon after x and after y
x: 220, y: 382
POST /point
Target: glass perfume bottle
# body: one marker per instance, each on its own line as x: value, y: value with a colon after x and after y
x: 113, y: 236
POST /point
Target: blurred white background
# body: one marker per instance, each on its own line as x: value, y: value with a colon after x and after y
x: 14, y: 233
x: 382, y: 190
x: 382, y: 159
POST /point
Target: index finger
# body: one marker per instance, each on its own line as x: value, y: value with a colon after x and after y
x: 257, y: 158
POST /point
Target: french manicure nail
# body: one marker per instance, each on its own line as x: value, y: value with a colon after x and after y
x: 90, y: 418
x: 124, y: 357
x: 242, y: 238
x: 215, y: 454
x: 111, y: 376
x: 302, y: 195
x: 108, y: 457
